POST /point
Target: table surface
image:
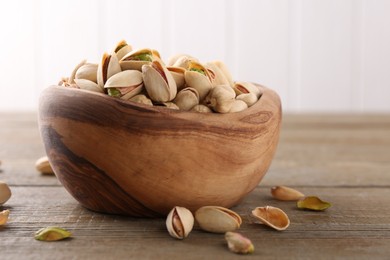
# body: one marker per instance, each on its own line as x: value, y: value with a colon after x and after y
x: 343, y: 159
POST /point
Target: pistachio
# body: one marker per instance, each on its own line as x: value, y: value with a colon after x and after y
x: 169, y: 105
x: 178, y: 76
x: 272, y: 216
x: 135, y: 59
x: 121, y: 49
x: 237, y: 106
x: 286, y: 193
x: 224, y: 69
x: 87, y: 71
x: 70, y: 80
x: 43, y: 166
x: 180, y: 222
x: 199, y: 78
x: 221, y: 98
x: 4, y: 217
x: 52, y: 234
x: 125, y: 84
x: 217, y: 219
x: 5, y: 192
x: 239, y: 244
x: 88, y: 85
x: 159, y: 83
x: 186, y: 99
x: 249, y: 98
x: 182, y: 61
x: 313, y: 203
x: 108, y: 67
x: 201, y: 108
x: 219, y: 77
x: 247, y: 87
x: 142, y: 99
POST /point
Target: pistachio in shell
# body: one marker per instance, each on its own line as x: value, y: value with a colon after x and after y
x: 52, y: 234
x: 180, y: 222
x: 312, y: 203
x: 286, y: 193
x: 239, y: 244
x: 186, y: 99
x: 217, y: 219
x: 43, y: 166
x: 272, y: 216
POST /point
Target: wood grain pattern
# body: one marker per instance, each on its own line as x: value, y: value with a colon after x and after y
x: 119, y: 157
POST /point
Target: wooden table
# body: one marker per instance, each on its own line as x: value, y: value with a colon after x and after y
x: 344, y: 159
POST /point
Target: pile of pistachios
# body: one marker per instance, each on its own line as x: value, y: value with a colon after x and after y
x: 183, y: 83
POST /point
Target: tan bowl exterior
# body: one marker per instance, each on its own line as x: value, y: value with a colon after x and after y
x: 120, y: 157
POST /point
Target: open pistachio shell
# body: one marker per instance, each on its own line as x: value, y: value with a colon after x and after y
x: 272, y: 216
x: 186, y: 99
x: 159, y: 83
x: 88, y: 85
x: 5, y: 192
x: 87, y: 71
x: 137, y: 58
x: 108, y: 67
x: 246, y: 87
x: 122, y: 48
x: 217, y: 219
x: 4, y: 217
x: 312, y: 203
x: 126, y: 83
x: 199, y: 78
x: 179, y: 222
x: 222, y: 66
x: 219, y: 77
x: 286, y: 193
x: 178, y: 76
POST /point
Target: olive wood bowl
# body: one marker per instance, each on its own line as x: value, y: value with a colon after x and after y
x: 120, y: 157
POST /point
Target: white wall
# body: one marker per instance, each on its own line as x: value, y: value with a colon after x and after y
x: 319, y: 55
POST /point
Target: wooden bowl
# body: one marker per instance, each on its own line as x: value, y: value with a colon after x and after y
x: 120, y: 157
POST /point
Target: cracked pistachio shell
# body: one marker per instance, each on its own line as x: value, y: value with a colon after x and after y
x: 217, y: 219
x: 201, y: 108
x: 43, y: 165
x: 182, y: 61
x: 247, y: 87
x: 312, y: 203
x: 121, y: 49
x: 87, y: 71
x: 52, y: 234
x: 198, y: 77
x: 218, y: 76
x: 178, y: 76
x: 272, y: 216
x: 5, y: 192
x: 135, y: 59
x: 179, y: 222
x: 173, y: 59
x: 221, y: 98
x: 4, y: 217
x: 88, y: 85
x: 108, y: 67
x: 142, y: 99
x: 239, y: 244
x: 128, y: 83
x: 286, y: 193
x: 222, y: 66
x: 249, y: 98
x: 159, y: 83
x: 186, y: 99
x: 237, y: 106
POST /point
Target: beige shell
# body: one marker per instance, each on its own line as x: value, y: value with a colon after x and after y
x: 272, y: 216
x: 128, y: 83
x: 5, y: 193
x: 87, y: 71
x: 237, y: 106
x: 4, y: 214
x: 221, y: 98
x: 121, y: 49
x: 43, y: 165
x: 131, y: 62
x: 186, y: 99
x: 73, y: 74
x: 159, y: 83
x: 286, y: 193
x: 246, y: 87
x: 222, y: 66
x: 179, y: 222
x: 173, y: 59
x: 201, y: 82
x: 217, y: 219
x: 169, y: 105
x: 219, y: 77
x: 249, y: 98
x: 178, y: 76
x: 201, y: 108
x: 108, y: 66
x: 141, y: 98
x: 183, y: 61
x: 88, y: 85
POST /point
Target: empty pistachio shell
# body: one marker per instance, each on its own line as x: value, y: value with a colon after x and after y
x: 286, y: 193
x: 217, y: 219
x: 43, y: 165
x: 179, y: 222
x: 5, y: 192
x: 312, y: 203
x: 108, y: 66
x: 239, y: 244
x: 52, y: 234
x: 4, y: 217
x: 272, y: 216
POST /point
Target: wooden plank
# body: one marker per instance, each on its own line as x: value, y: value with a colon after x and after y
x: 356, y: 226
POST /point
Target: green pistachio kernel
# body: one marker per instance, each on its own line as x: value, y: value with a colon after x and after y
x: 198, y: 70
x: 114, y: 92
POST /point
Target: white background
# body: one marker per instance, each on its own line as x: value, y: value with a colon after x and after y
x: 320, y: 56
